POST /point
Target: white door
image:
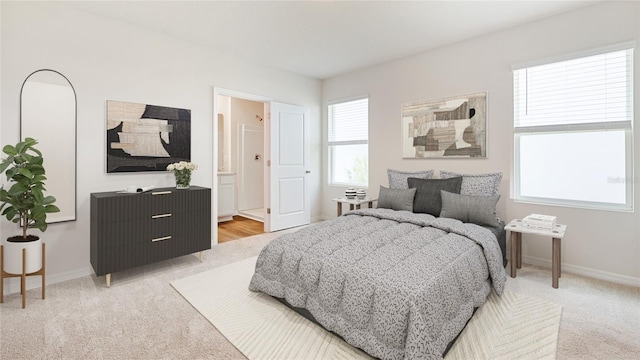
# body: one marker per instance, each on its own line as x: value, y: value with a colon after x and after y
x: 289, y: 199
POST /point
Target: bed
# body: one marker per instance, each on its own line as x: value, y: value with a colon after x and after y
x: 394, y: 283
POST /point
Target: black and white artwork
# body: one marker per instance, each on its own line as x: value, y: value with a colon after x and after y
x: 453, y: 127
x: 144, y: 137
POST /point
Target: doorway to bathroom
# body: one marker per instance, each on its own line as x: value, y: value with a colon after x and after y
x: 240, y: 165
x: 283, y: 184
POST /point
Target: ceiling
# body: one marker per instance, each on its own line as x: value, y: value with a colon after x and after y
x: 322, y: 39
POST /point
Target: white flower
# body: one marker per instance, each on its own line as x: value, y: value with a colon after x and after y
x: 181, y: 166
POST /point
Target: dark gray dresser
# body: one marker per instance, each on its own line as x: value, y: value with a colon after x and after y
x: 129, y: 230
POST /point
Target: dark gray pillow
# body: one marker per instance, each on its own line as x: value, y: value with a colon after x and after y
x: 479, y: 210
x: 396, y: 199
x: 428, y: 199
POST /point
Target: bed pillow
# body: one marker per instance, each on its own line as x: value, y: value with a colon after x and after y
x: 479, y: 210
x: 398, y: 179
x: 476, y: 184
x: 396, y: 199
x: 428, y: 198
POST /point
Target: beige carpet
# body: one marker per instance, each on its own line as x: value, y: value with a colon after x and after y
x: 507, y: 327
x: 142, y: 317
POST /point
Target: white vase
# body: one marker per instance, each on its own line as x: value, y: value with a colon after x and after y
x: 12, y: 260
x: 350, y: 193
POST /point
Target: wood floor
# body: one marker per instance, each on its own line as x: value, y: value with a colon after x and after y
x: 238, y: 228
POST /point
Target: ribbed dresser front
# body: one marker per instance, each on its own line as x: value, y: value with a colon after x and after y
x: 129, y: 230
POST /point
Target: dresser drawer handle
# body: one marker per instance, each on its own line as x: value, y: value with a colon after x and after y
x: 161, y: 238
x: 160, y: 216
x: 161, y: 193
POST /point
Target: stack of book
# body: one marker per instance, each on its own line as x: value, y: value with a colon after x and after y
x: 537, y: 221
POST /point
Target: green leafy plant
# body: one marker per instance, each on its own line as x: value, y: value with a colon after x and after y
x: 25, y: 202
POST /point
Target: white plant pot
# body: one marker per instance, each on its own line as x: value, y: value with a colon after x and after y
x: 13, y: 256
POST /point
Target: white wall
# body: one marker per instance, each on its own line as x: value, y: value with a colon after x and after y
x: 110, y: 60
x: 598, y: 243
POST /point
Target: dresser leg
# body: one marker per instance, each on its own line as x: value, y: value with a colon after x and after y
x: 108, y: 280
x: 200, y: 256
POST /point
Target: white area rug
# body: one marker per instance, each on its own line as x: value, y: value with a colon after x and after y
x: 511, y: 326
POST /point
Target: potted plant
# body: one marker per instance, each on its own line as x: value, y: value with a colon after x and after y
x: 24, y: 203
x: 182, y: 171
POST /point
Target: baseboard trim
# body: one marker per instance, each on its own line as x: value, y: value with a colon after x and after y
x: 249, y: 216
x: 12, y: 285
x: 585, y: 271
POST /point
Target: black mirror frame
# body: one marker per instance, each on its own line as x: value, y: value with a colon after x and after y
x: 75, y: 138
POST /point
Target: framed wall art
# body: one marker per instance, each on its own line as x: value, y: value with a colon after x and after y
x: 144, y: 137
x: 454, y: 127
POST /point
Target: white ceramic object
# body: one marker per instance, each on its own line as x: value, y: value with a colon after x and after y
x: 350, y: 193
x: 361, y: 194
x: 13, y: 256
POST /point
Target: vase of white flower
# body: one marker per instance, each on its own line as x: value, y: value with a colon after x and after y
x: 182, y: 171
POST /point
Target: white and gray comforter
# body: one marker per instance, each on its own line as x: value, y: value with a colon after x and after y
x: 393, y: 283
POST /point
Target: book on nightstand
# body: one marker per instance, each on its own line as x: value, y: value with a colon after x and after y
x: 538, y: 221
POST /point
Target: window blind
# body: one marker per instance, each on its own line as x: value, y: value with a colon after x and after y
x: 349, y: 122
x: 591, y: 89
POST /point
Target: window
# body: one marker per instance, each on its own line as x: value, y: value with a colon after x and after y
x: 573, y: 132
x: 349, y: 142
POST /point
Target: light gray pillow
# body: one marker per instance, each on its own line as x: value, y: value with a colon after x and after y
x: 396, y: 199
x: 398, y: 179
x: 476, y: 184
x: 479, y: 210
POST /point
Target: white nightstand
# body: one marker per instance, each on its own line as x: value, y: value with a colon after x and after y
x: 354, y: 203
x: 517, y: 229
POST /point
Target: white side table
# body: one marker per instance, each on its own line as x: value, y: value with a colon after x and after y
x: 354, y: 203
x: 517, y: 229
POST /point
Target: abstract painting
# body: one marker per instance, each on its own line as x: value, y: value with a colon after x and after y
x: 146, y: 137
x: 453, y: 127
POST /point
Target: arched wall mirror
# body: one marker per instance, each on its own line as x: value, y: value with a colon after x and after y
x: 48, y: 114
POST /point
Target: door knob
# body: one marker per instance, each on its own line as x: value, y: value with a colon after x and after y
x: 308, y: 171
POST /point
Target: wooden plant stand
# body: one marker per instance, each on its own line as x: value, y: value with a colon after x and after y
x: 23, y: 276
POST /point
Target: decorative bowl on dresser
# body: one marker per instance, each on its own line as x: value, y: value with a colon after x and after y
x: 129, y: 230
